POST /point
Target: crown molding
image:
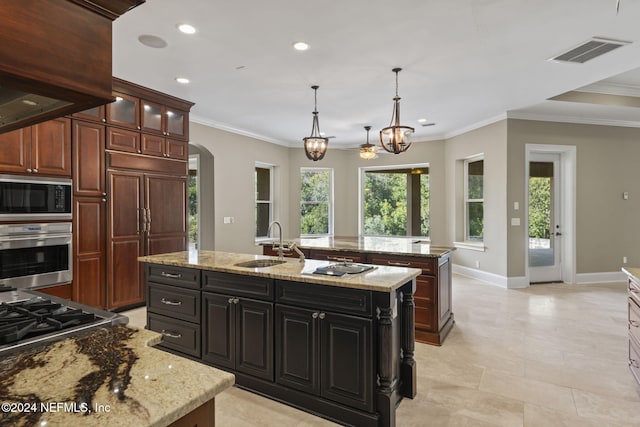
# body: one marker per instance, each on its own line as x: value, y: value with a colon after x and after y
x: 571, y: 119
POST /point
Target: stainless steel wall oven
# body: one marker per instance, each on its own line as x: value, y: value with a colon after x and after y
x: 35, y: 255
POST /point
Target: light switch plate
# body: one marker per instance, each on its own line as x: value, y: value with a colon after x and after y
x: 515, y: 221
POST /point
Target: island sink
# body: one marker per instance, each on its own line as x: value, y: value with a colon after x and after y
x: 259, y: 263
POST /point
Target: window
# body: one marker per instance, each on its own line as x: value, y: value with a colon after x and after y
x: 474, y: 199
x: 396, y: 201
x: 316, y: 201
x: 264, y: 199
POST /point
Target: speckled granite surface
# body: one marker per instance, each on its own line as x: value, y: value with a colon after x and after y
x: 632, y: 271
x: 106, y: 377
x: 380, y: 279
x: 378, y: 245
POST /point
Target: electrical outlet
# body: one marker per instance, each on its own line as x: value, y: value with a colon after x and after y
x: 624, y: 259
x: 229, y: 220
x: 477, y: 264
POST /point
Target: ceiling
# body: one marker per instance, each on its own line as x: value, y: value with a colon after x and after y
x: 465, y: 63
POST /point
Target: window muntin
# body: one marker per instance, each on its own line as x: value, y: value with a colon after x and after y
x: 474, y: 199
x: 396, y: 201
x: 316, y: 201
x: 263, y: 186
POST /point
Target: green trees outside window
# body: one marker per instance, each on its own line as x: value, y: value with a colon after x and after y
x: 474, y: 199
x: 315, y: 201
x: 396, y: 202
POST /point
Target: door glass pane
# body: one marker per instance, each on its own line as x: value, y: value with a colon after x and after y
x: 123, y: 111
x: 193, y: 202
x: 541, y: 247
x: 152, y: 116
x: 175, y: 122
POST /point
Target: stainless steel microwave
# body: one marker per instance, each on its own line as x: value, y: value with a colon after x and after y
x: 29, y: 199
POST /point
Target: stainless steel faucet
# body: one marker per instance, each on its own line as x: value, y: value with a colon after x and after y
x: 280, y: 246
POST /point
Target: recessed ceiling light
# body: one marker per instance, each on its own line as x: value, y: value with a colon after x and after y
x: 182, y: 80
x: 29, y: 102
x: 422, y: 120
x: 152, y: 41
x: 187, y: 29
x: 300, y: 46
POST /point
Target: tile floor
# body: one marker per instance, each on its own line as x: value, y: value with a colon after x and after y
x: 548, y: 355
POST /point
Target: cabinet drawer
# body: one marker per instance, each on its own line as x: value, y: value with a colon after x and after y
x: 634, y: 290
x: 174, y: 302
x: 634, y: 360
x: 238, y: 285
x: 176, y: 276
x: 428, y: 265
x: 634, y: 320
x: 425, y: 315
x: 339, y: 256
x: 426, y: 288
x: 349, y: 301
x: 176, y: 334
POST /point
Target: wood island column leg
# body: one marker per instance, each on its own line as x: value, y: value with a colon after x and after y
x: 386, y: 393
x: 408, y: 369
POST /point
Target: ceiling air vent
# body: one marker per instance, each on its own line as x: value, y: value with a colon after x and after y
x: 590, y: 49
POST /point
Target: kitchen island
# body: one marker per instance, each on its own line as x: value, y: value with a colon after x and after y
x: 341, y: 347
x: 107, y: 377
x: 433, y: 299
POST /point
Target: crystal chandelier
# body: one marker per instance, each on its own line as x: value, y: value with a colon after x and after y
x: 396, y: 138
x: 368, y: 151
x: 315, y: 146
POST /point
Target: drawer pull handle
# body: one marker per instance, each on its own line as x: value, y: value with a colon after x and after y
x: 399, y: 264
x: 234, y: 300
x: 339, y: 259
x: 315, y: 315
x: 171, y: 334
x: 634, y: 291
x: 169, y: 302
x: 634, y: 363
x: 322, y: 316
x: 634, y: 323
x: 171, y: 275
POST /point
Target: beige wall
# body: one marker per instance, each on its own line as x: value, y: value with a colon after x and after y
x: 491, y: 141
x: 606, y: 225
x: 234, y: 159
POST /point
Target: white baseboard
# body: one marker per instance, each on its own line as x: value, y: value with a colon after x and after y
x: 520, y: 282
x: 491, y: 278
x: 604, y: 277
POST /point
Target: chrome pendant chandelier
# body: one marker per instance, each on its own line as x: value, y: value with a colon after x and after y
x: 368, y: 151
x: 395, y: 138
x: 315, y: 145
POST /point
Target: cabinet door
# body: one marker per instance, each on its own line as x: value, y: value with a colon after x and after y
x: 444, y: 290
x: 96, y: 114
x: 88, y: 159
x: 51, y: 147
x: 89, y: 246
x: 124, y: 234
x: 124, y: 111
x: 177, y: 124
x: 165, y: 199
x: 15, y: 155
x: 152, y: 117
x: 123, y: 140
x: 254, y: 338
x: 177, y: 149
x: 152, y: 145
x: 297, y: 363
x: 218, y: 320
x: 346, y: 349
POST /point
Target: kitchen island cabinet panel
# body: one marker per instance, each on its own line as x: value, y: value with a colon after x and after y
x: 176, y: 334
x: 173, y: 301
x: 218, y: 320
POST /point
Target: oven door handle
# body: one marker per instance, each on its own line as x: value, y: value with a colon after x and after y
x: 35, y: 241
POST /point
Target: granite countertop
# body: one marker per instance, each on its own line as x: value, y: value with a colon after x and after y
x: 104, y: 377
x: 379, y: 245
x: 632, y: 271
x: 379, y: 279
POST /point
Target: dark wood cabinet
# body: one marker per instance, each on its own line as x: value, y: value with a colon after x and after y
x: 88, y: 159
x: 123, y: 140
x: 125, y: 238
x: 124, y: 111
x: 42, y: 149
x: 338, y: 256
x: 163, y: 120
x: 89, y: 251
x: 166, y: 214
x: 238, y: 334
x: 95, y: 114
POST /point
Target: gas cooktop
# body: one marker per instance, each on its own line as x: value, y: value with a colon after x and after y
x: 29, y: 317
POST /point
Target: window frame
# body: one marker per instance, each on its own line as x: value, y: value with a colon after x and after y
x: 361, y: 177
x: 330, y: 202
x: 467, y: 200
x: 271, y: 200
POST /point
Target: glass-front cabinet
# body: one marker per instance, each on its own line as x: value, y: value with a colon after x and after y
x: 124, y: 111
x: 163, y: 120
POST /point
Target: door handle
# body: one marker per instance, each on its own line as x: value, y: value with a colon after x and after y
x: 148, y: 220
